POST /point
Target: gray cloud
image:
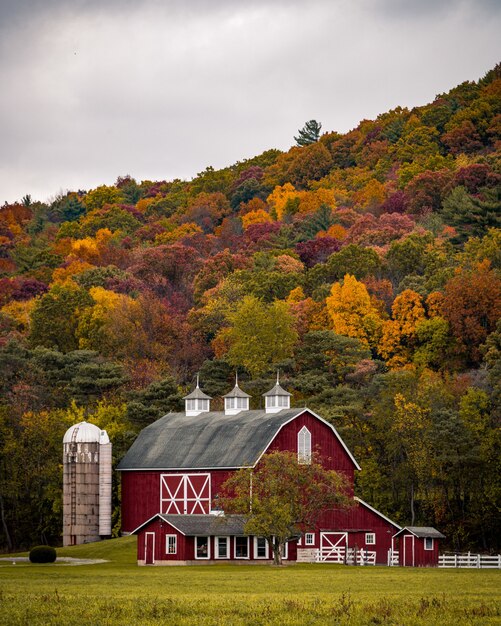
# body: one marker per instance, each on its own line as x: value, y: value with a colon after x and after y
x: 93, y: 90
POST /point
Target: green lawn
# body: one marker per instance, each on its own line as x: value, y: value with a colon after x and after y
x: 119, y: 592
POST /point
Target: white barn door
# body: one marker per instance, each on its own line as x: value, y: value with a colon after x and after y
x: 185, y: 494
x: 333, y: 546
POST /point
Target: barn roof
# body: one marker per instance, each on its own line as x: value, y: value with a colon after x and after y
x: 193, y: 525
x: 421, y: 531
x: 211, y: 440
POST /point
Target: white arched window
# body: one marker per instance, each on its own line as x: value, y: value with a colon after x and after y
x: 304, y: 446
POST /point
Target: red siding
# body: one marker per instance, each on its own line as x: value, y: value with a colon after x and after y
x: 186, y: 546
x: 323, y: 441
x: 141, y: 494
x: 414, y: 553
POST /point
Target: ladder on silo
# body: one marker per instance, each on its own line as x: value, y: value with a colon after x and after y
x: 73, y: 478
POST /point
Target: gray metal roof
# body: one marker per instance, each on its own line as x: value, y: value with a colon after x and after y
x: 236, y: 392
x: 192, y: 525
x: 277, y: 390
x: 206, y: 441
x: 197, y: 393
x: 422, y: 531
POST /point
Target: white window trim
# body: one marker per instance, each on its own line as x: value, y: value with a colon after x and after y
x: 304, y: 446
x: 426, y: 539
x: 312, y: 541
x: 216, y: 548
x: 267, y: 555
x: 146, y: 546
x: 235, y: 547
x: 167, y: 537
x: 202, y: 558
x: 285, y: 551
x: 370, y: 539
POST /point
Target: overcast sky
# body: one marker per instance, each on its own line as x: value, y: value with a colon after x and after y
x: 159, y: 89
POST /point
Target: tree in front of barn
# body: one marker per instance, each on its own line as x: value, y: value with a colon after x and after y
x: 283, y: 496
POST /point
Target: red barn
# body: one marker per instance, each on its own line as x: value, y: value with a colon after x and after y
x: 172, y: 474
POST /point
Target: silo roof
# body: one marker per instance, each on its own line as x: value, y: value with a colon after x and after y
x: 85, y: 432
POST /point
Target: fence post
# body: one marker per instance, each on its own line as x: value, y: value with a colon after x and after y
x: 479, y: 561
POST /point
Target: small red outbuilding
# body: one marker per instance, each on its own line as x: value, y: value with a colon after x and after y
x: 417, y: 546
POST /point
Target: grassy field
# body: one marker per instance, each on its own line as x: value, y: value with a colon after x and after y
x: 119, y: 592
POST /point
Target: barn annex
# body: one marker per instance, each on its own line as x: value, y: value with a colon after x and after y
x: 172, y: 474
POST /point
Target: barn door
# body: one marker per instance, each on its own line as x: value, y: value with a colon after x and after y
x: 185, y: 494
x: 333, y: 546
x: 408, y: 550
x: 149, y: 548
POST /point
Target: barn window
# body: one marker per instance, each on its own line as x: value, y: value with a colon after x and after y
x: 428, y: 543
x: 370, y: 539
x: 309, y: 539
x: 304, y: 446
x: 222, y: 547
x: 260, y: 548
x: 241, y: 547
x: 171, y: 544
x: 202, y: 548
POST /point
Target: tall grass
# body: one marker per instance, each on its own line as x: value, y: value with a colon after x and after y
x: 119, y: 592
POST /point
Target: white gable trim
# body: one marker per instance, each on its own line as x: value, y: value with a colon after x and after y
x: 371, y: 508
x: 321, y: 419
x: 157, y: 515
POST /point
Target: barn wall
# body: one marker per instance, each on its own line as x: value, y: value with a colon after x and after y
x: 323, y: 440
x: 141, y: 493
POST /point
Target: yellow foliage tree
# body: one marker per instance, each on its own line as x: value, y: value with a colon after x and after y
x: 399, y: 334
x: 311, y: 201
x: 90, y: 248
x: 336, y: 231
x: 20, y: 312
x: 63, y: 275
x: 353, y: 313
x: 279, y: 197
x: 182, y: 231
x: 255, y: 217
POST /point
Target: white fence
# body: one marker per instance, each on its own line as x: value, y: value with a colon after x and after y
x: 479, y: 561
x: 348, y: 557
x: 393, y: 558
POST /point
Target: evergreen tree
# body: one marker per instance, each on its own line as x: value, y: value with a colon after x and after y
x: 309, y: 134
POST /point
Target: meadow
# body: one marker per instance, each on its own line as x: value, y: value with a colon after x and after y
x: 119, y: 592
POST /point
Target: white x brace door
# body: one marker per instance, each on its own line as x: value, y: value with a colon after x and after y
x: 333, y: 546
x: 185, y: 494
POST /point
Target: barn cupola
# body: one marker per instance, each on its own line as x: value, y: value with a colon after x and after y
x: 197, y: 402
x: 236, y: 401
x: 277, y: 398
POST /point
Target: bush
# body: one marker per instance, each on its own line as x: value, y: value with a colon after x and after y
x: 43, y: 554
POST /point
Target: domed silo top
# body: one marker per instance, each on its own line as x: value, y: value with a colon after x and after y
x: 84, y: 432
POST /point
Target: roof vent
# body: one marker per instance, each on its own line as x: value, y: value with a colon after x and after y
x: 196, y: 402
x: 236, y: 401
x: 277, y: 399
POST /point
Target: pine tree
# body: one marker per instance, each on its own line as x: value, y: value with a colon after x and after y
x: 309, y: 133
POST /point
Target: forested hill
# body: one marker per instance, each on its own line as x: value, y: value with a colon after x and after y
x: 364, y: 266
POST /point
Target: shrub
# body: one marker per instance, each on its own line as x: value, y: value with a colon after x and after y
x: 43, y: 554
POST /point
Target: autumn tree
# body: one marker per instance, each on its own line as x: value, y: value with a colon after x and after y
x: 258, y: 336
x: 472, y: 306
x: 283, y: 498
x: 353, y: 312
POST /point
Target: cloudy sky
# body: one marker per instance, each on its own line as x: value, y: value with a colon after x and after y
x: 158, y: 89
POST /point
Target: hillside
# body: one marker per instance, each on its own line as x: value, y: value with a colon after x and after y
x: 364, y: 266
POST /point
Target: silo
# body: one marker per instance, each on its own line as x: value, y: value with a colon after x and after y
x: 86, y: 484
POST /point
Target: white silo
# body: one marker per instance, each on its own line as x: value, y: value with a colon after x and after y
x: 86, y: 484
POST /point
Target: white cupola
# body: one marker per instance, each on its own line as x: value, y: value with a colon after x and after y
x: 277, y: 399
x: 236, y: 401
x: 197, y: 402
